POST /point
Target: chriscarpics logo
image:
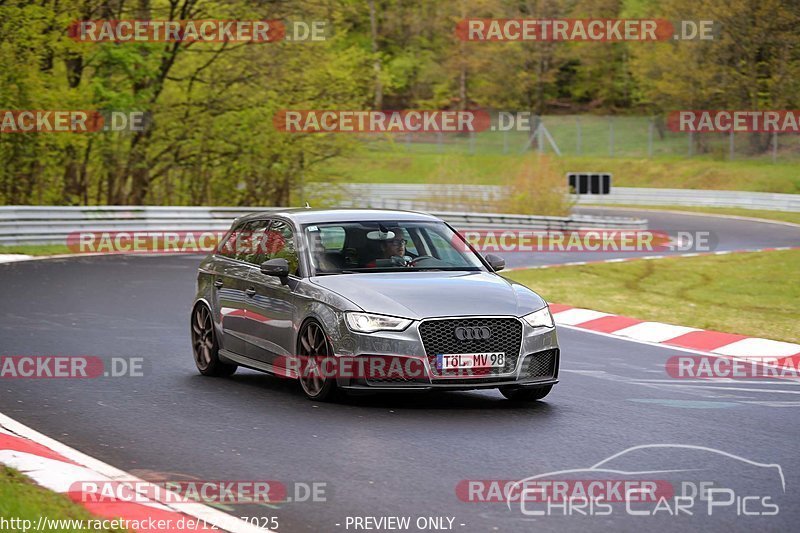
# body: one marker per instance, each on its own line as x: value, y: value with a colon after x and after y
x: 680, y: 483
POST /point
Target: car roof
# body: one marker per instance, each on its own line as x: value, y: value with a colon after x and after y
x: 321, y: 216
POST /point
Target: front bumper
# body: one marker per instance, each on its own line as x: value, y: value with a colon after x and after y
x: 537, y: 363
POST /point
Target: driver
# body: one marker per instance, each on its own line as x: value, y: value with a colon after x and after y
x: 393, y: 249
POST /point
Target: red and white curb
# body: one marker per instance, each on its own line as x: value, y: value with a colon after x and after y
x: 60, y: 468
x: 681, y: 337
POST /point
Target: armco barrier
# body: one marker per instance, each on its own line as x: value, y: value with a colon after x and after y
x: 52, y: 224
x: 459, y: 197
x: 695, y: 198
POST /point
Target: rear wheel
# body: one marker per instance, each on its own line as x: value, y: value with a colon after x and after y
x: 205, y: 345
x: 314, y: 350
x: 528, y: 394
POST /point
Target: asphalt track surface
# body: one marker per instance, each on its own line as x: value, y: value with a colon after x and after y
x: 721, y: 234
x: 388, y: 455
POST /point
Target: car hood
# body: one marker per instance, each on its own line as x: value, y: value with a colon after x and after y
x: 433, y: 294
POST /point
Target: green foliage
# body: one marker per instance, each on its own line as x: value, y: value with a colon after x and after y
x: 211, y: 139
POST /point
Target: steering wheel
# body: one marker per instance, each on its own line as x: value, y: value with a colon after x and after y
x: 419, y: 258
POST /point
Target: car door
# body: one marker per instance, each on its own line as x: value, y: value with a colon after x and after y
x: 230, y: 278
x: 272, y: 307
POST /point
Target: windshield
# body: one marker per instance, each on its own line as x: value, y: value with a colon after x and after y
x: 387, y: 246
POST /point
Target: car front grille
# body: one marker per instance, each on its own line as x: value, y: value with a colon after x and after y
x: 438, y: 337
x: 541, y: 365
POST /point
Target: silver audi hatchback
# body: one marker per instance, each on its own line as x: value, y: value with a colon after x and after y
x: 368, y: 300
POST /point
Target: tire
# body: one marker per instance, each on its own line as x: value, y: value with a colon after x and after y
x: 312, y: 341
x: 528, y: 394
x: 205, y: 346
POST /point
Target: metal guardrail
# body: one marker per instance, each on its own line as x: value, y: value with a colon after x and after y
x: 53, y: 224
x: 458, y: 197
x: 695, y: 198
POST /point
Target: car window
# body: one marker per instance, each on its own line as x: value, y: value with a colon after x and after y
x: 251, y: 242
x: 346, y: 247
x: 332, y: 238
x: 442, y: 248
x: 230, y: 247
x: 279, y: 244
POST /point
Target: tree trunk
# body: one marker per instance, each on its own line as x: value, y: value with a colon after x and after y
x: 376, y: 64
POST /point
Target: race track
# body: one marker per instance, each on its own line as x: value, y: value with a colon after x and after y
x: 722, y: 234
x: 389, y: 454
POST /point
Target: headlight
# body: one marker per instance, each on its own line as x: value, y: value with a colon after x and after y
x: 540, y: 319
x: 366, y: 323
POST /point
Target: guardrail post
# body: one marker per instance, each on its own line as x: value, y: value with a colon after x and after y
x: 774, y: 146
x: 610, y: 136
x: 539, y: 135
x: 732, y: 146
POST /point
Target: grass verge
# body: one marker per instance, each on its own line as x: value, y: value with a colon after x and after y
x: 21, y: 498
x: 755, y: 294
x: 36, y: 249
x: 396, y: 164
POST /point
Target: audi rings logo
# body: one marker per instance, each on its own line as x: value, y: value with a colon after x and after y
x: 473, y: 333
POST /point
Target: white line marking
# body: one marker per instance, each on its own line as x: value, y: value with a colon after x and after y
x: 613, y: 207
x: 787, y: 381
x: 725, y: 389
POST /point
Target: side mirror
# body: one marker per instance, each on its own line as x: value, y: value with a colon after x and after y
x: 497, y: 263
x: 276, y: 267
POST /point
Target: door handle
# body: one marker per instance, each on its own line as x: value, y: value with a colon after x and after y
x: 218, y: 283
x: 250, y: 291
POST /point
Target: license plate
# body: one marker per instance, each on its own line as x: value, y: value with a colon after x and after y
x: 456, y: 361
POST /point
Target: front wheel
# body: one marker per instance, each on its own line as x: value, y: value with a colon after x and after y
x: 530, y: 394
x: 314, y: 350
x: 205, y: 345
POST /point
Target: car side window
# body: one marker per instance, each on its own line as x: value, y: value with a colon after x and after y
x: 280, y: 245
x: 251, y: 244
x: 229, y: 247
